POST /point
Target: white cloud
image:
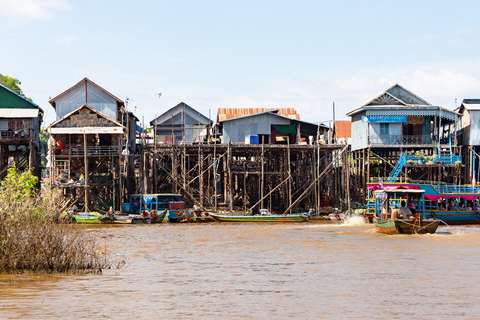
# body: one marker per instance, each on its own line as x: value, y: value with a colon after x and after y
x: 32, y: 9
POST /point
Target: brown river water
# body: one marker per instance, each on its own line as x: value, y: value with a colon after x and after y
x: 316, y: 270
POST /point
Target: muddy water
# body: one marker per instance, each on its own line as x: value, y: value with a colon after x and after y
x: 257, y: 271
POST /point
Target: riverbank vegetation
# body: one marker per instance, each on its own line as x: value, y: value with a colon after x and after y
x: 31, y: 240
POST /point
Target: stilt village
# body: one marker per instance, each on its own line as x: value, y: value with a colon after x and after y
x: 97, y: 154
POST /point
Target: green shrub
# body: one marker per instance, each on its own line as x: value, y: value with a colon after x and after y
x: 30, y: 240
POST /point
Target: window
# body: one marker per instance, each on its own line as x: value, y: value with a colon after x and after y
x: 384, y: 129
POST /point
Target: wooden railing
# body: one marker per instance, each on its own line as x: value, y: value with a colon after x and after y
x: 388, y: 140
x: 91, y: 151
x: 15, y: 134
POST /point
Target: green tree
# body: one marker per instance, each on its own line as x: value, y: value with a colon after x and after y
x: 11, y: 83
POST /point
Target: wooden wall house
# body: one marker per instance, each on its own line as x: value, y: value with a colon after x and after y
x: 20, y: 121
x: 398, y: 121
x: 268, y: 127
x: 92, y: 148
x: 181, y: 125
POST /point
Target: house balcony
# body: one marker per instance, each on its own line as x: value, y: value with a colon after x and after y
x: 21, y: 134
x: 90, y: 151
x: 389, y: 141
x: 435, y: 159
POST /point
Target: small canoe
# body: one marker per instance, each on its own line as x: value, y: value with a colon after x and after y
x: 120, y: 219
x: 141, y: 219
x: 294, y: 217
x: 87, y: 217
x: 336, y: 216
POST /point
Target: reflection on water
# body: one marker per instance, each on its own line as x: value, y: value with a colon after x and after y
x: 318, y: 270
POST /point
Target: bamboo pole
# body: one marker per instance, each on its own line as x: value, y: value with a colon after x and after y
x: 262, y: 184
x: 290, y: 176
x: 200, y: 175
x: 245, y: 195
x: 86, y: 169
x: 347, y: 166
x: 229, y: 168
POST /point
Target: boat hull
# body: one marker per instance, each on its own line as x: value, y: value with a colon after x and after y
x: 455, y: 217
x: 262, y: 218
x: 406, y: 226
x: 87, y: 218
x: 336, y: 216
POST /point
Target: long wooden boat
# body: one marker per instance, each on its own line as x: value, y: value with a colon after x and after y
x: 122, y: 219
x: 406, y: 226
x: 87, y: 217
x: 294, y: 217
x: 390, y: 204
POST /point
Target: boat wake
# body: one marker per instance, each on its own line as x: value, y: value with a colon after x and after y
x: 354, y: 221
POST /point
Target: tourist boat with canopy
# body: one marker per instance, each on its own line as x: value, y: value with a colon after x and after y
x: 451, y: 203
x: 159, y: 207
x: 388, y: 218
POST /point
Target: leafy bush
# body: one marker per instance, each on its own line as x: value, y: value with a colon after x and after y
x: 29, y: 237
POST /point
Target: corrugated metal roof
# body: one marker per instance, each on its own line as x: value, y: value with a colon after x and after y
x: 11, y: 99
x: 471, y: 104
x: 85, y: 82
x: 90, y: 130
x: 388, y: 97
x: 18, y: 113
x: 231, y: 113
x: 343, y: 129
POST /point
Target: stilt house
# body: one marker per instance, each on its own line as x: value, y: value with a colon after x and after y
x: 268, y: 127
x: 398, y: 134
x: 20, y: 121
x: 181, y: 125
x: 92, y: 145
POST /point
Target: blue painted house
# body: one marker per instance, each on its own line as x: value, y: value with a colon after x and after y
x: 399, y: 134
x: 399, y: 119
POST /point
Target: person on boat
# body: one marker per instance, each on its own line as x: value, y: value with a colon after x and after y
x: 476, y: 205
x: 441, y: 205
x: 449, y: 206
x: 403, y: 211
x: 74, y: 208
x: 469, y: 206
x: 412, y: 206
x: 457, y: 206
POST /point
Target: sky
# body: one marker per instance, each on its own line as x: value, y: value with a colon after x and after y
x: 211, y: 54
